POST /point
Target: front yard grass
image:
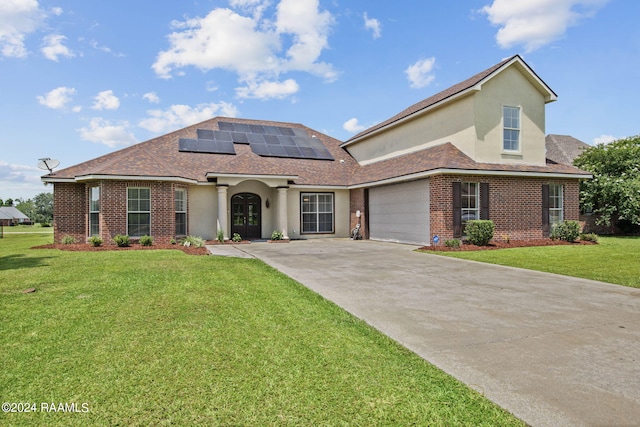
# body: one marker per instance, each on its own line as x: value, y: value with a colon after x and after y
x: 613, y: 260
x: 164, y: 338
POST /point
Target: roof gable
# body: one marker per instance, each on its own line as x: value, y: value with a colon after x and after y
x: 457, y: 91
x: 564, y: 148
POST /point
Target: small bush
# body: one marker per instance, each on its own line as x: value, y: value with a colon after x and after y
x: 68, y: 240
x: 479, y: 231
x: 589, y: 237
x: 220, y: 236
x: 195, y: 241
x: 146, y: 240
x: 452, y: 243
x: 566, y: 230
x: 95, y: 241
x: 236, y: 238
x: 172, y: 241
x: 121, y: 240
x: 277, y: 235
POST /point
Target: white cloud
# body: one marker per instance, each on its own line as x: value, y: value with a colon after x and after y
x: 178, y: 116
x: 53, y: 48
x: 535, y: 23
x: 106, y: 100
x: 18, y: 173
x: 152, y: 97
x: 18, y: 18
x: 57, y: 11
x: 266, y: 90
x: 374, y: 25
x: 353, y: 126
x: 103, y: 131
x: 604, y: 139
x: 58, y: 98
x: 421, y: 73
x: 257, y: 49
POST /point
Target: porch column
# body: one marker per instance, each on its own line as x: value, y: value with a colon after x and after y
x: 282, y: 211
x: 222, y: 211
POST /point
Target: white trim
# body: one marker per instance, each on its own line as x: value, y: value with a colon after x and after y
x: 83, y: 178
x: 434, y: 172
x: 248, y: 176
x: 322, y: 187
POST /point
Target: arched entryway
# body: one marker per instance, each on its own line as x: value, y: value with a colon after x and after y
x: 245, y: 215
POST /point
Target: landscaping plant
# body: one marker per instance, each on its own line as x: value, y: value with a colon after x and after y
x: 121, y: 240
x: 479, y: 231
x: 566, y: 230
x: 146, y: 240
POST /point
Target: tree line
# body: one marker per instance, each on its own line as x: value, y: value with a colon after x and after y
x: 39, y: 209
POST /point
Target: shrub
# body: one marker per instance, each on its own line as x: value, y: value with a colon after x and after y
x: 236, y: 238
x: 195, y: 241
x: 566, y: 230
x: 452, y: 243
x: 220, y: 236
x: 277, y: 235
x: 68, y: 240
x: 95, y: 241
x: 479, y: 231
x: 589, y: 237
x: 146, y: 240
x: 121, y: 240
x: 172, y: 241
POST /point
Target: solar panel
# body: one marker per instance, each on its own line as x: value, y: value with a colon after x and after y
x: 274, y: 141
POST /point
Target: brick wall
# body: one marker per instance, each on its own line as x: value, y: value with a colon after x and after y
x: 71, y: 209
x: 357, y: 203
x: 515, y: 204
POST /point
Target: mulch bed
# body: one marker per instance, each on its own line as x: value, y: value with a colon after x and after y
x: 85, y: 247
x: 505, y: 245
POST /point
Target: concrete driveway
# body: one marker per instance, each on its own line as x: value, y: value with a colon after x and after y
x: 553, y: 350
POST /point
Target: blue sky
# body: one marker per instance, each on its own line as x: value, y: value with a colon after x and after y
x: 79, y: 79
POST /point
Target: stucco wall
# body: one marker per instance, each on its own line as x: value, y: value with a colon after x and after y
x: 203, y: 211
x: 340, y: 216
x: 509, y: 88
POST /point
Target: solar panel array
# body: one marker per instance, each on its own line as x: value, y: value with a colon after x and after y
x: 272, y: 141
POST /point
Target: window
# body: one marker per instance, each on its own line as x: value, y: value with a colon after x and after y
x: 317, y: 212
x: 555, y: 204
x: 94, y: 211
x: 181, y: 212
x: 138, y: 212
x: 469, y: 205
x: 511, y: 130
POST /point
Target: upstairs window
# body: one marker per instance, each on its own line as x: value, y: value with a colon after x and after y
x: 511, y: 128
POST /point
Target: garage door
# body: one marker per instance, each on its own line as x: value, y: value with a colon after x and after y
x: 400, y: 212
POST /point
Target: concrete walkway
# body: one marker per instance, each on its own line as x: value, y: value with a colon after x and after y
x: 553, y: 350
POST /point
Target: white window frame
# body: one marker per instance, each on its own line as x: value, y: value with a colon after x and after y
x: 180, y: 205
x: 138, y: 210
x: 556, y: 204
x: 94, y: 210
x: 470, y: 196
x: 508, y: 126
x: 310, y: 208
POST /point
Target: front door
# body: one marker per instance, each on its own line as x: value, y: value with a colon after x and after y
x: 245, y: 221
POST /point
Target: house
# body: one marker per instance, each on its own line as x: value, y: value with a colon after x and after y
x: 475, y: 150
x: 10, y: 215
x: 564, y: 149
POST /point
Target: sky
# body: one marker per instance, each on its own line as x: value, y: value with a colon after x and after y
x: 80, y: 79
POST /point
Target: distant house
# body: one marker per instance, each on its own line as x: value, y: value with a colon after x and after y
x: 473, y: 151
x: 564, y: 149
x: 10, y: 215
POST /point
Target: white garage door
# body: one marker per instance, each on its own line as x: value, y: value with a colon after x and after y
x: 400, y: 212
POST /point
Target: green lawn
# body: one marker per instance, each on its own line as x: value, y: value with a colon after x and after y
x: 164, y: 338
x: 27, y: 229
x: 613, y: 259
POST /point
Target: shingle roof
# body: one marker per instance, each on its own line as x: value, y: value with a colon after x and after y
x: 448, y: 93
x: 446, y: 156
x: 159, y: 157
x: 563, y: 148
x: 11, y: 212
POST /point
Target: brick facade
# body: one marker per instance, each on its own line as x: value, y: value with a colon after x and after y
x: 71, y: 209
x: 357, y: 202
x: 515, y: 204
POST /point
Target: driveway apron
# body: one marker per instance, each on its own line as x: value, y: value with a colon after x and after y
x: 552, y: 350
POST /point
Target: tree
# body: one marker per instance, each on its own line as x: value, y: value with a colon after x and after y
x: 8, y: 202
x: 40, y: 209
x: 614, y: 191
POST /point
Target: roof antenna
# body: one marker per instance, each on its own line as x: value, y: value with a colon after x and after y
x: 47, y: 163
